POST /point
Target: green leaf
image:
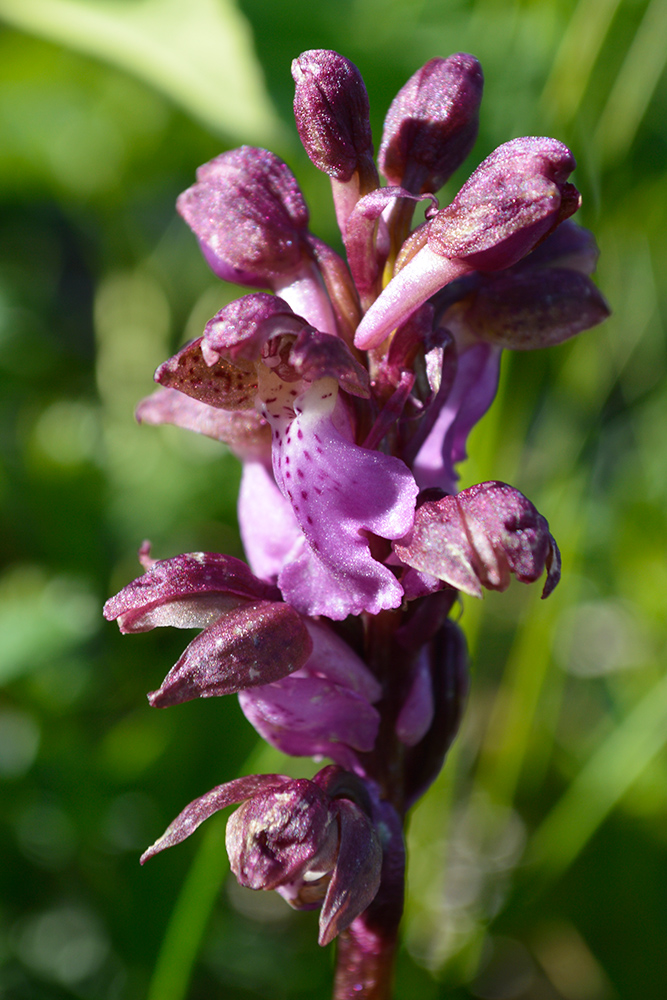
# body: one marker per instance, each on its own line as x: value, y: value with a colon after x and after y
x: 609, y: 773
x: 190, y: 916
x: 635, y: 84
x: 200, y: 53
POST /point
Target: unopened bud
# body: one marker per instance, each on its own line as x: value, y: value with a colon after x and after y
x: 332, y: 113
x: 432, y: 124
x: 249, y: 215
x: 511, y: 202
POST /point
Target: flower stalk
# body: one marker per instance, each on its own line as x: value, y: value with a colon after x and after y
x: 348, y: 388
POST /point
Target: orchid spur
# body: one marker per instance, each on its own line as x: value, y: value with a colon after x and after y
x: 348, y: 388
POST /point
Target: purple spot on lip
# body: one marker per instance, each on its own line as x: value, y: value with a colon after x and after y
x: 304, y: 494
x: 299, y: 473
x: 306, y: 454
x: 299, y: 434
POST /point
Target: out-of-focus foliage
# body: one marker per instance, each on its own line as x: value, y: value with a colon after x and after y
x: 539, y: 859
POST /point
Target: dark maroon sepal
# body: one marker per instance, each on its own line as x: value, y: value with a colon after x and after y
x: 534, y: 308
x: 355, y: 879
x: 249, y: 646
x: 187, y: 591
x: 206, y: 805
x: 223, y: 384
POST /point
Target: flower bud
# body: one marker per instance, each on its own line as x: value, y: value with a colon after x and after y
x: 508, y: 205
x: 432, y: 124
x: 332, y: 117
x: 511, y: 202
x: 312, y: 841
x: 281, y: 835
x: 249, y: 215
x: 480, y: 537
x: 448, y: 661
x: 332, y: 114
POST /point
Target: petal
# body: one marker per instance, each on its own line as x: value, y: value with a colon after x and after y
x: 316, y: 355
x: 245, y: 432
x: 311, y: 717
x: 333, y: 659
x: 249, y: 646
x: 206, y: 805
x: 316, y: 589
x: 474, y: 389
x: 188, y: 591
x: 339, y: 491
x: 269, y: 530
x: 240, y: 330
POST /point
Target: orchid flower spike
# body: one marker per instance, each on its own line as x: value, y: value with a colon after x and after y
x: 348, y: 389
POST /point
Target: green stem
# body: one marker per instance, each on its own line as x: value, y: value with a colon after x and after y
x: 190, y: 916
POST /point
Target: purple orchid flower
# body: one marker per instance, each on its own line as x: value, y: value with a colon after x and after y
x: 315, y: 842
x: 348, y: 389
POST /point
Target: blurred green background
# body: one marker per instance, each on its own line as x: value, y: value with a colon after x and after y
x: 538, y: 865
